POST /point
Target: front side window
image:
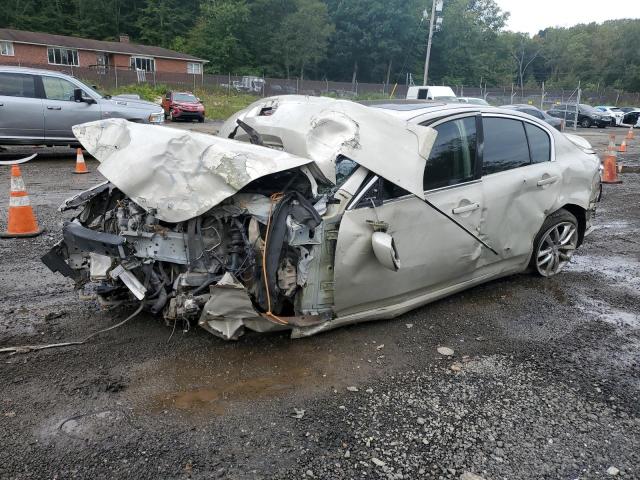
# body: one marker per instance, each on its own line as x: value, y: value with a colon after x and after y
x: 17, y: 85
x: 539, y: 144
x: 6, y: 49
x: 143, y: 63
x: 453, y: 156
x: 62, y: 56
x: 58, y: 89
x: 195, y: 68
x: 505, y: 145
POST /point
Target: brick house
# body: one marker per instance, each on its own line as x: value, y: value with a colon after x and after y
x: 43, y: 50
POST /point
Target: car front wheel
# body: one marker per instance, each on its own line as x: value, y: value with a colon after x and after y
x: 585, y: 123
x: 555, y: 243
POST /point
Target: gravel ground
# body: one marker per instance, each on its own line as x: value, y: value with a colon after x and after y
x: 543, y: 382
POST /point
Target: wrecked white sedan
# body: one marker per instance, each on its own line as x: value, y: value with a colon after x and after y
x: 310, y: 213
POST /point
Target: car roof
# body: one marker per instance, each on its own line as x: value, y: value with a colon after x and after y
x: 436, y: 110
x: 32, y: 71
x: 520, y: 105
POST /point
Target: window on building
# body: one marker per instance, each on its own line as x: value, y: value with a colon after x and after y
x: 17, y: 85
x: 505, y: 145
x: 143, y: 63
x: 453, y: 157
x: 195, y: 68
x: 6, y: 49
x: 63, y: 56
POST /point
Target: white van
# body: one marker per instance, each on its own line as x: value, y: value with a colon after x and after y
x: 429, y: 93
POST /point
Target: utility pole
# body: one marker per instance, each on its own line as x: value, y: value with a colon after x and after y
x: 435, y: 23
x: 432, y: 22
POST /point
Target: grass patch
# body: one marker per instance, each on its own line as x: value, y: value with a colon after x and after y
x: 219, y: 104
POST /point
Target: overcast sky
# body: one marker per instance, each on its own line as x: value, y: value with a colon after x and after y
x: 534, y: 15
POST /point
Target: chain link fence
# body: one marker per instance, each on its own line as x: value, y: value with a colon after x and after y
x: 110, y: 78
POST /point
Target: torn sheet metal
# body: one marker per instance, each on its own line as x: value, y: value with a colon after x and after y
x: 227, y: 309
x: 177, y: 173
x: 323, y: 129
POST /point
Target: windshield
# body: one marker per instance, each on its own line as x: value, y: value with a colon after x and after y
x: 184, y: 97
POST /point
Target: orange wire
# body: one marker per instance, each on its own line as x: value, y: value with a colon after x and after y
x: 276, y: 197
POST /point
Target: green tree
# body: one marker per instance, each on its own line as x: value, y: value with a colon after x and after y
x: 302, y: 39
x: 161, y: 22
x: 218, y: 35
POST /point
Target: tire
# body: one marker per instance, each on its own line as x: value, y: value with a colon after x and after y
x: 585, y: 122
x: 171, y: 116
x: 554, y: 244
x: 200, y: 119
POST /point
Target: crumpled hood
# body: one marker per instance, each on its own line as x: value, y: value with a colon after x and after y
x: 179, y: 174
x: 323, y: 128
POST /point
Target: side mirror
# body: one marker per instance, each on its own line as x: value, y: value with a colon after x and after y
x: 385, y: 250
x: 78, y: 96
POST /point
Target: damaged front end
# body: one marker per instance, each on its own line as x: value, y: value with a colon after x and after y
x: 240, y: 264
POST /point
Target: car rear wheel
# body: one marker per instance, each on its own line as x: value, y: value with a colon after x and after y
x: 585, y: 123
x: 555, y: 243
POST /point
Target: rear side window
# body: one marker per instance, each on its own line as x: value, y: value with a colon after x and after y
x: 17, y: 85
x: 505, y: 145
x: 539, y: 144
x: 453, y: 156
x: 422, y: 94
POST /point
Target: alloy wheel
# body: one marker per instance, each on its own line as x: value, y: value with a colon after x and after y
x: 556, y: 248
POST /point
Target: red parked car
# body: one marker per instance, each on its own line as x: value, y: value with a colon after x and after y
x: 182, y: 106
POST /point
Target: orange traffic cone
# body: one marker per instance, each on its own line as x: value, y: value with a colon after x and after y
x: 81, y: 167
x: 623, y: 146
x: 612, y: 143
x: 630, y: 134
x: 610, y: 173
x: 22, y: 222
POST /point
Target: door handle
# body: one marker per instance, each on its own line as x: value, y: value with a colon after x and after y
x: 547, y: 181
x: 1, y: 104
x: 465, y: 208
x: 54, y: 108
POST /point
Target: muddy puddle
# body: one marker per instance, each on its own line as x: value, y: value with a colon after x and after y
x: 217, y: 382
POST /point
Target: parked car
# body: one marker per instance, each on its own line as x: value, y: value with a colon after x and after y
x: 473, y: 100
x: 308, y: 213
x: 430, y: 93
x: 536, y: 112
x: 587, y: 115
x: 615, y: 113
x: 631, y: 116
x: 182, y: 106
x: 39, y: 107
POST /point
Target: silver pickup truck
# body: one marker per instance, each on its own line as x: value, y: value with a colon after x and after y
x: 39, y: 107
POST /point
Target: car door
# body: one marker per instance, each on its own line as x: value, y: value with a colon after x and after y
x: 521, y: 182
x: 61, y: 111
x: 21, y: 110
x: 434, y: 253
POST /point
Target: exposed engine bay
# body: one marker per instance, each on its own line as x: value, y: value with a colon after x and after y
x: 211, y: 268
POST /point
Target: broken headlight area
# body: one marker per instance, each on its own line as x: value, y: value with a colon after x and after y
x: 245, y: 263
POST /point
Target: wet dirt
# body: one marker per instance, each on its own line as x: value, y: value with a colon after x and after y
x: 536, y: 360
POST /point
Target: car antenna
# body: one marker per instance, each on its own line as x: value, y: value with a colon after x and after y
x: 457, y: 223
